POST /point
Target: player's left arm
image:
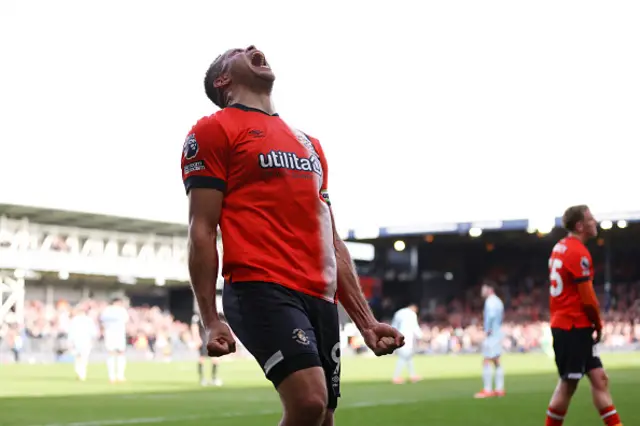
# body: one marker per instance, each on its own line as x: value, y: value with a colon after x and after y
x: 490, y: 318
x: 487, y: 319
x: 580, y: 268
x: 381, y: 338
x: 349, y: 290
x: 101, y: 324
x: 417, y: 331
x: 590, y: 303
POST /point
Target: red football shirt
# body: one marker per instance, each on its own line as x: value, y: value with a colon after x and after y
x: 569, y: 264
x: 276, y: 221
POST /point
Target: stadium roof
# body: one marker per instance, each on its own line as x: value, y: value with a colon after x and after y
x: 47, y: 216
x: 543, y: 225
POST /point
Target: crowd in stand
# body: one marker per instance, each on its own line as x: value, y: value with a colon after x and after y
x: 456, y: 327
x: 453, y: 327
x: 150, y: 330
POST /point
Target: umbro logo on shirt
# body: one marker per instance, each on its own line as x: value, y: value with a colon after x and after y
x: 256, y: 133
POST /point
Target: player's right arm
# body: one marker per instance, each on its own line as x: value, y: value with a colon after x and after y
x: 204, y: 213
x: 204, y: 174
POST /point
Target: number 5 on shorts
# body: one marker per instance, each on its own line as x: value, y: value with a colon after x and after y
x: 554, y: 276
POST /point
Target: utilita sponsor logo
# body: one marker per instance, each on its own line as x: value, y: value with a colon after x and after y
x: 290, y: 161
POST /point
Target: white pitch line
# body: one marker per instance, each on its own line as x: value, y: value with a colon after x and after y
x: 155, y: 420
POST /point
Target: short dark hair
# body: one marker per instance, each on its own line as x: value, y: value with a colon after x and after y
x: 572, y: 216
x: 215, y: 94
x: 489, y: 284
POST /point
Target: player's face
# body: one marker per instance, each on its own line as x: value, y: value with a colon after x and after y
x: 249, y: 67
x: 484, y: 291
x: 589, y: 225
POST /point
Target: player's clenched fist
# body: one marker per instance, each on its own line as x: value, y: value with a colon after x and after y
x: 382, y: 339
x: 221, y: 341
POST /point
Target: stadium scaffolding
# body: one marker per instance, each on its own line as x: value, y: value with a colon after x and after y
x: 12, y: 294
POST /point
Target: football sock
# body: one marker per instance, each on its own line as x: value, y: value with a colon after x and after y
x: 410, y: 366
x: 400, y: 365
x: 487, y: 377
x: 121, y: 362
x: 554, y: 417
x: 214, y: 371
x: 499, y: 378
x: 610, y: 416
x: 111, y: 367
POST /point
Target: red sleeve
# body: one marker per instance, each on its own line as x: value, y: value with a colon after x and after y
x: 578, y: 263
x: 324, y: 189
x: 205, y: 156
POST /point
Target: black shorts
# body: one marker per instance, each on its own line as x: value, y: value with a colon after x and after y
x: 576, y: 353
x: 286, y: 331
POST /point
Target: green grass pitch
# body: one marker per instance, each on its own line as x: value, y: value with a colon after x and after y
x: 168, y: 394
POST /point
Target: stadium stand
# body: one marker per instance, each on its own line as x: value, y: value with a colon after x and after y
x: 51, y: 260
x: 442, y: 266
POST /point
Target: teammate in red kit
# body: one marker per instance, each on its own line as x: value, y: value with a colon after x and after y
x: 265, y: 185
x: 575, y: 319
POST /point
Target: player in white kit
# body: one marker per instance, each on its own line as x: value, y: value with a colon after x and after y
x: 492, y: 345
x: 114, y: 319
x: 82, y: 332
x: 406, y: 322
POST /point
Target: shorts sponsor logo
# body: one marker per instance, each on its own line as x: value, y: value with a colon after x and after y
x: 190, y: 148
x: 300, y: 336
x: 290, y: 161
x: 193, y: 167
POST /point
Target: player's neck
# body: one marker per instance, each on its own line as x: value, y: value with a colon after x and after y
x: 261, y: 101
x: 579, y: 237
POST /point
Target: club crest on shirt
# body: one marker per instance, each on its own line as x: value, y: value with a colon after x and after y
x: 304, y: 140
x: 313, y: 154
x: 300, y: 336
x: 190, y: 147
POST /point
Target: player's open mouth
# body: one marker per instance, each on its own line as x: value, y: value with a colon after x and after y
x: 258, y: 60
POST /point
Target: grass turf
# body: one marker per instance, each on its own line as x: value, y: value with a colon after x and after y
x: 168, y: 394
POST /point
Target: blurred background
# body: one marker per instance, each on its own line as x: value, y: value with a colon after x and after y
x: 53, y: 260
x: 456, y: 132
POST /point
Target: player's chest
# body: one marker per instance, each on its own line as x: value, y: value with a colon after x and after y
x: 274, y: 153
